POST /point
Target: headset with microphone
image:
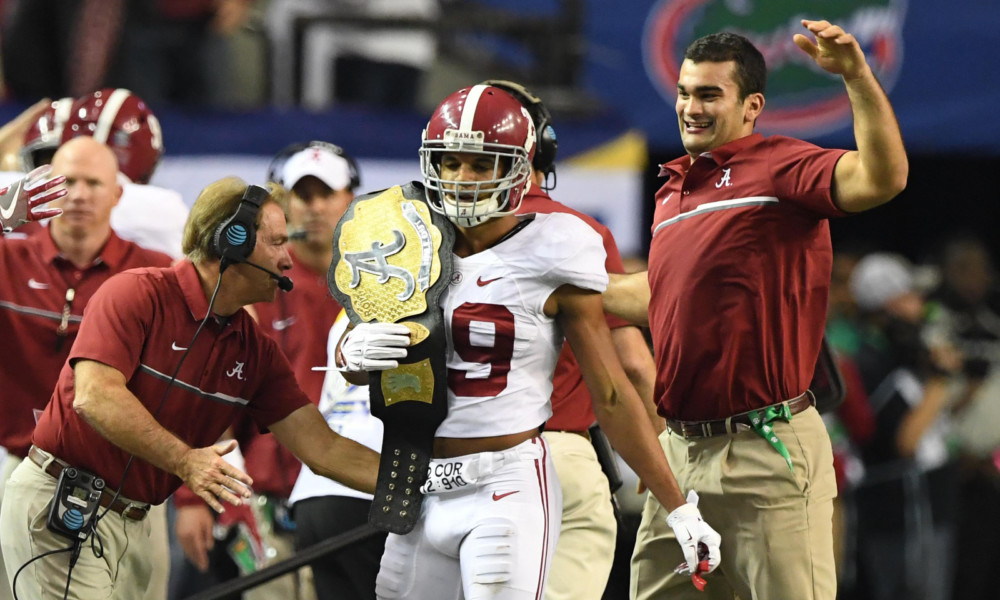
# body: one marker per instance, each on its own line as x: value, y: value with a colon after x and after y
x: 546, y: 143
x: 236, y: 237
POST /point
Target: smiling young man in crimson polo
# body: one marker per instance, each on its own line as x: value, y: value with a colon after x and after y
x: 736, y: 297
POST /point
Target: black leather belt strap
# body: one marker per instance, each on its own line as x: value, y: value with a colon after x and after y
x: 136, y: 512
x: 734, y: 424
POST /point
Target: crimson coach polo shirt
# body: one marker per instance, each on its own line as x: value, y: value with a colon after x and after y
x: 572, y: 409
x: 739, y: 270
x: 141, y: 323
x: 32, y: 298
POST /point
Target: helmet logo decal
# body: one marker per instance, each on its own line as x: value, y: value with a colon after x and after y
x: 457, y: 140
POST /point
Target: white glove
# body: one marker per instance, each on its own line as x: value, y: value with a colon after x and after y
x: 692, y: 530
x: 375, y: 346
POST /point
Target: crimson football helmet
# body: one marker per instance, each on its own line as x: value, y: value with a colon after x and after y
x: 122, y: 121
x: 484, y: 120
x: 43, y: 138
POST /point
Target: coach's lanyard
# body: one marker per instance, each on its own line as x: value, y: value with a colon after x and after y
x: 760, y: 421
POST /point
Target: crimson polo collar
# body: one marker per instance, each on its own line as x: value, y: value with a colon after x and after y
x: 194, y: 295
x: 112, y: 254
x: 190, y: 284
x: 720, y: 155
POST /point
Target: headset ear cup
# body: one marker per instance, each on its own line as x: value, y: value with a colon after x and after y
x: 236, y: 237
x: 548, y: 146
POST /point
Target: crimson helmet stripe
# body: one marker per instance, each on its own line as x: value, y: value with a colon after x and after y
x: 469, y: 109
x: 155, y: 132
x: 107, y: 118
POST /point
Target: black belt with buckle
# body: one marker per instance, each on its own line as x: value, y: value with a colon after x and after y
x: 734, y: 424
x: 136, y: 512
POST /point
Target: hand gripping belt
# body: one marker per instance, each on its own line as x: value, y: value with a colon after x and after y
x: 392, y: 261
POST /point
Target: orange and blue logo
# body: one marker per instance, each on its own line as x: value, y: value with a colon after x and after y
x: 802, y: 99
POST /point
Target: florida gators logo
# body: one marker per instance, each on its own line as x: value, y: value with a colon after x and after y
x: 802, y: 99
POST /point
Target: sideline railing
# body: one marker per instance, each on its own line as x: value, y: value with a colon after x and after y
x: 234, y: 587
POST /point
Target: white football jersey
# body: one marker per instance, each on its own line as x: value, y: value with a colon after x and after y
x: 152, y: 217
x: 502, y: 349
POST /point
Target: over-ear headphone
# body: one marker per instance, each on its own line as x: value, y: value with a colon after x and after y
x: 236, y: 237
x: 546, y: 144
x: 278, y: 162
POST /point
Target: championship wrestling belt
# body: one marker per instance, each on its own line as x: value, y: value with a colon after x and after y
x: 392, y: 261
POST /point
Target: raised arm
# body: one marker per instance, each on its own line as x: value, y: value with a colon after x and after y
x: 627, y: 297
x: 877, y: 171
x: 104, y: 401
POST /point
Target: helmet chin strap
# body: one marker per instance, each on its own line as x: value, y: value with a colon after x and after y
x: 492, y: 203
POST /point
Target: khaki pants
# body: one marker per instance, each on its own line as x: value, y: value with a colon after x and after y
x: 586, y: 548
x: 123, y: 572
x: 159, y: 543
x: 7, y: 467
x: 776, y: 525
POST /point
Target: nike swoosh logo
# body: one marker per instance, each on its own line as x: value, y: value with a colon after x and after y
x: 282, y: 324
x: 174, y: 346
x: 8, y: 211
x: 481, y: 282
x: 37, y: 285
x: 667, y: 198
x: 497, y: 496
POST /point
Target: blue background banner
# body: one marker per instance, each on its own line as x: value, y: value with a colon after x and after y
x: 935, y: 59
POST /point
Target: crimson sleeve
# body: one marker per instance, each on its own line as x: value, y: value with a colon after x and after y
x: 802, y: 174
x: 114, y: 326
x: 279, y: 394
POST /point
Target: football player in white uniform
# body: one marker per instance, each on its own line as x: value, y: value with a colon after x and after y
x: 490, y: 519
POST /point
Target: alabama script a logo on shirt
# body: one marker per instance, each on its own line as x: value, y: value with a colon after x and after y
x: 236, y: 371
x: 725, y: 181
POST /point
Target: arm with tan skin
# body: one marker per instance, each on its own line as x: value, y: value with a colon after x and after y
x: 877, y: 171
x: 620, y: 411
x: 627, y: 297
x: 309, y: 438
x: 623, y: 418
x: 630, y: 345
x: 104, y: 401
x: 637, y: 361
x: 933, y: 402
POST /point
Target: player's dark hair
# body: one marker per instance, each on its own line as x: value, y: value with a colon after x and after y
x: 751, y: 72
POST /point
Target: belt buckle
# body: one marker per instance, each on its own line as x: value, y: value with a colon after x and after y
x: 129, y: 506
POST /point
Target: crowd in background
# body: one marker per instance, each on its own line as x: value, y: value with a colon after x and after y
x: 215, y: 53
x: 916, y: 441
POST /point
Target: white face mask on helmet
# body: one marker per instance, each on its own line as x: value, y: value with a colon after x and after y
x: 478, y: 120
